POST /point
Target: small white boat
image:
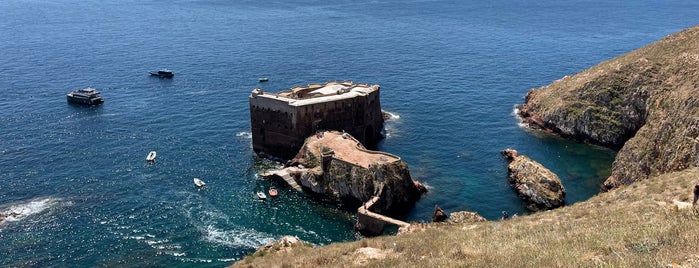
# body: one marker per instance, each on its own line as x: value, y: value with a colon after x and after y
x: 261, y: 195
x: 199, y: 183
x: 263, y: 79
x: 151, y: 156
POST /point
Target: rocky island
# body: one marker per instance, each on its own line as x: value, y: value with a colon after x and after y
x: 536, y: 185
x: 336, y: 165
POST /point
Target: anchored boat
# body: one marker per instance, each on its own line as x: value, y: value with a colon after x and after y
x: 86, y: 96
x: 163, y: 73
x: 273, y: 192
x: 199, y: 183
x: 151, y: 156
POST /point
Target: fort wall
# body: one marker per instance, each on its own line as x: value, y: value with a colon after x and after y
x: 281, y: 122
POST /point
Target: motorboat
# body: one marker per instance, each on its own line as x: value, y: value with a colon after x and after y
x: 261, y: 195
x: 273, y: 192
x: 163, y: 73
x: 199, y: 183
x: 263, y: 79
x: 86, y: 96
x: 151, y: 156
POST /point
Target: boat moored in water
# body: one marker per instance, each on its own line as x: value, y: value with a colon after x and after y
x: 163, y: 73
x: 263, y: 79
x: 261, y: 195
x: 273, y: 192
x: 199, y: 183
x: 151, y: 156
x: 86, y: 96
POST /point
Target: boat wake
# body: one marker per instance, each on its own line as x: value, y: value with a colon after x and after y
x: 215, y: 227
x: 19, y: 210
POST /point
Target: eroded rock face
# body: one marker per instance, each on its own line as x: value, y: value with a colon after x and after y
x: 643, y: 103
x: 537, y: 186
x: 327, y: 173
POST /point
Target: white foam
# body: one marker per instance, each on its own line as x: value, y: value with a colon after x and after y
x: 236, y: 237
x: 244, y: 134
x: 20, y: 210
x: 515, y: 113
x: 391, y: 115
x: 216, y: 228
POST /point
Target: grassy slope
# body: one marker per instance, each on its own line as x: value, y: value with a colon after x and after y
x: 632, y: 226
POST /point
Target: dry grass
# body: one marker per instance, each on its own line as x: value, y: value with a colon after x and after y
x: 633, y: 226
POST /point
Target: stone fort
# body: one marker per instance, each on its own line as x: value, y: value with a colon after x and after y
x: 281, y: 122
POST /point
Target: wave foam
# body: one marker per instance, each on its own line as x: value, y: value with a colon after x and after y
x: 237, y: 237
x: 515, y: 113
x: 392, y: 116
x: 244, y: 134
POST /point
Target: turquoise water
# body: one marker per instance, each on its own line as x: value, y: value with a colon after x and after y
x: 451, y: 72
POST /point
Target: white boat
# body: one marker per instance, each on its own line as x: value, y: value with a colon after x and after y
x: 199, y: 183
x: 261, y: 195
x: 151, y: 156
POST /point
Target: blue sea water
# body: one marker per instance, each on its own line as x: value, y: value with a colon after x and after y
x: 451, y: 72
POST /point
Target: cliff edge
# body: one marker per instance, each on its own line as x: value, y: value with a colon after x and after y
x: 643, y: 103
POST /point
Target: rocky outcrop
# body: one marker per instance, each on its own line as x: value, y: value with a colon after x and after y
x: 643, y: 103
x: 459, y: 217
x: 338, y: 167
x: 465, y: 217
x: 285, y: 243
x: 439, y: 214
x: 537, y: 186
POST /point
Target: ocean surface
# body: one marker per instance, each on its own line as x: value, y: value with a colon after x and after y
x: 450, y: 73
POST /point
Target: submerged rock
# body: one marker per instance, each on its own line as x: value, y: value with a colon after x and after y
x: 537, y: 186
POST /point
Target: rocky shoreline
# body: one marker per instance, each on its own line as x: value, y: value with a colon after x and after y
x: 642, y: 104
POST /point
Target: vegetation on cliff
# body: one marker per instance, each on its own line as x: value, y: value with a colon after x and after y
x: 643, y: 103
x: 635, y: 226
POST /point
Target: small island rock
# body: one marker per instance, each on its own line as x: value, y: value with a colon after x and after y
x: 439, y: 214
x: 540, y: 188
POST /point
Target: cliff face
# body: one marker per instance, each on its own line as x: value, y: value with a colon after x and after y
x: 643, y: 103
x: 347, y: 173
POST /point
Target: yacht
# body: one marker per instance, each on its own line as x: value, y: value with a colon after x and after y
x: 88, y: 96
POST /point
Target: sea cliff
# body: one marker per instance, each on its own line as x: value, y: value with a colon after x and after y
x: 643, y: 103
x: 337, y: 166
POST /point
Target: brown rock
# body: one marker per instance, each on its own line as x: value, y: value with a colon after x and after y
x: 439, y: 215
x: 537, y: 186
